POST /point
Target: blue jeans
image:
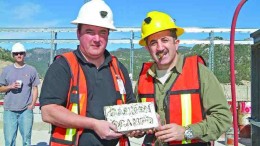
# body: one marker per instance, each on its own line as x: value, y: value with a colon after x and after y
x: 13, y: 120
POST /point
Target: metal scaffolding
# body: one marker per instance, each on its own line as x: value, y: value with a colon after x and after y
x: 130, y: 39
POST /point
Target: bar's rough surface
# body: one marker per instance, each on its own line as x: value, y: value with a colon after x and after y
x: 134, y: 116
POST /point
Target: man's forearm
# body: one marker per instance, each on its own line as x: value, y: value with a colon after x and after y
x: 34, y: 95
x: 5, y: 88
x: 65, y: 118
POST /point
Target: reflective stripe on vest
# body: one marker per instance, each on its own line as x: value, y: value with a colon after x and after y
x: 76, y: 103
x: 77, y: 100
x: 183, y: 100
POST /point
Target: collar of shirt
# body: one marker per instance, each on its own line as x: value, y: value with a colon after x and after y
x: 177, y: 68
x: 84, y: 61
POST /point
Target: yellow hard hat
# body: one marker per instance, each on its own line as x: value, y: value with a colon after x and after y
x: 157, y: 21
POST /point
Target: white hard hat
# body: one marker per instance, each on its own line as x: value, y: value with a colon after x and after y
x: 18, y: 47
x: 95, y: 12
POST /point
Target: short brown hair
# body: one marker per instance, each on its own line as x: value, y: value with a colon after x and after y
x: 173, y: 32
x: 79, y: 26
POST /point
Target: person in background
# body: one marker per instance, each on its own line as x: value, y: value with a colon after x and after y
x: 79, y: 84
x: 19, y: 82
x: 189, y: 99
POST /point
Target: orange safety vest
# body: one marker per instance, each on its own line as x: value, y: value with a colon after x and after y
x: 183, y: 100
x: 77, y: 101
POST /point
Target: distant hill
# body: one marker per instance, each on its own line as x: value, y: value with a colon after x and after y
x: 40, y: 58
x: 5, y: 55
x: 3, y: 64
x: 222, y: 61
x: 5, y: 58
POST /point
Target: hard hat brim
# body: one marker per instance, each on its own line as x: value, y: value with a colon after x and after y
x: 110, y: 27
x: 179, y: 32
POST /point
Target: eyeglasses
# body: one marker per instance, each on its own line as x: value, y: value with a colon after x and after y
x: 18, y: 53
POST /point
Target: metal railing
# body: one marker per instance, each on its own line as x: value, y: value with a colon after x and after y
x: 129, y: 38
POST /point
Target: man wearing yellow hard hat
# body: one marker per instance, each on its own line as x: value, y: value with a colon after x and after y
x: 189, y: 99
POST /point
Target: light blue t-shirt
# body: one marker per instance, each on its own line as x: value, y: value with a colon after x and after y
x: 19, y: 99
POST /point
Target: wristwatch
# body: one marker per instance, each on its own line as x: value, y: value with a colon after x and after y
x: 188, y: 134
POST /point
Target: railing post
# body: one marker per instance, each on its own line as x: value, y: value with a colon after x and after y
x: 132, y: 55
x: 211, y: 51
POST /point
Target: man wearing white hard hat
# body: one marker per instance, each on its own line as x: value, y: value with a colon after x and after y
x: 79, y: 84
x: 19, y: 82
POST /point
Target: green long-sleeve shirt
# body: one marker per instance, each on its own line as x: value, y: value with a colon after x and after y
x: 218, y: 116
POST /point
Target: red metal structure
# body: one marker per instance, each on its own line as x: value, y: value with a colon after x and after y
x: 232, y: 71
